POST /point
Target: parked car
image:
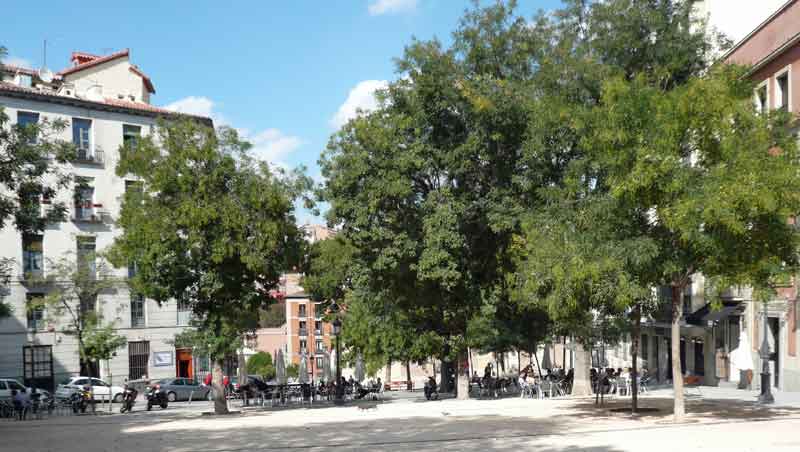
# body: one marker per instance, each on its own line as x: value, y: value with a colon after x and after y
x: 180, y: 389
x: 7, y: 384
x: 100, y: 390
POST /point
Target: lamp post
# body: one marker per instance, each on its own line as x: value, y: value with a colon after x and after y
x: 337, y: 330
x: 766, y: 380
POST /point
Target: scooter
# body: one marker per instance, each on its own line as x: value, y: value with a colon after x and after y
x: 155, y: 396
x: 431, y: 393
x: 128, y: 399
x: 81, y: 399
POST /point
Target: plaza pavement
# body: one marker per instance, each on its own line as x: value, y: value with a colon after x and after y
x: 720, y: 419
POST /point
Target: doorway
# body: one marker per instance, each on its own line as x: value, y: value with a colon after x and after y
x: 183, y: 357
x: 775, y: 356
x: 699, y: 358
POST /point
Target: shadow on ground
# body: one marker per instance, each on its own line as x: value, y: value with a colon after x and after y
x: 697, y: 409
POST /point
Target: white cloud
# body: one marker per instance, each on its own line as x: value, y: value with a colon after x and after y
x: 198, y: 105
x: 737, y: 18
x: 270, y: 145
x: 380, y: 7
x: 361, y: 97
x: 17, y: 61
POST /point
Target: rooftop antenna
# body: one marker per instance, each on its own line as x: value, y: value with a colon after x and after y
x: 45, y: 74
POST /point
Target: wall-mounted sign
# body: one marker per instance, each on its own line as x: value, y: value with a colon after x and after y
x: 162, y: 359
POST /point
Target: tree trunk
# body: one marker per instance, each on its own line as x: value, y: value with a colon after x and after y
x: 679, y: 409
x: 409, y: 385
x: 564, y: 353
x: 220, y: 404
x: 387, y: 378
x: 536, y: 357
x: 582, y: 381
x: 462, y: 379
x: 636, y: 334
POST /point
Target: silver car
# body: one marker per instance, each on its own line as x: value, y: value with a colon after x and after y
x: 183, y: 388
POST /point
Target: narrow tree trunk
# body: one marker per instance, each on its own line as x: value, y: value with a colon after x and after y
x: 637, y: 331
x: 679, y: 409
x: 462, y: 380
x: 564, y: 353
x: 536, y: 357
x: 220, y: 405
x: 409, y: 385
x: 581, y: 380
x: 387, y: 378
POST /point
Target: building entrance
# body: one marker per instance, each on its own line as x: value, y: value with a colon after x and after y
x: 183, y: 358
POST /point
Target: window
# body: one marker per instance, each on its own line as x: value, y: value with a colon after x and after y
x: 130, y: 135
x: 98, y: 382
x: 84, y: 196
x: 762, y: 101
x: 32, y: 255
x: 303, y: 345
x: 138, y: 356
x: 26, y: 119
x: 320, y: 345
x: 782, y: 91
x: 133, y: 269
x: 302, y: 310
x: 25, y: 80
x: 82, y: 137
x: 318, y: 327
x: 86, y: 255
x: 137, y: 311
x: 319, y: 362
x: 35, y: 311
x: 303, y: 330
x: 14, y: 385
x: 3, y: 385
x: 184, y: 312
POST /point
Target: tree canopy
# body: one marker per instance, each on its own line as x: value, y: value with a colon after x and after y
x: 210, y: 228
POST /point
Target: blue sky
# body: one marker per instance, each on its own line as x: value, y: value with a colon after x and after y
x: 285, y: 72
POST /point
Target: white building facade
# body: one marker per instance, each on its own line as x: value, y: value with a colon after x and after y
x: 104, y: 101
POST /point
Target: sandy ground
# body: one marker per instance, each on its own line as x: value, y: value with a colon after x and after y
x: 715, y: 422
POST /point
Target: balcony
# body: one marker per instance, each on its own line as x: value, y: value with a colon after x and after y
x: 86, y: 157
x: 736, y: 293
x: 303, y: 332
x: 90, y: 213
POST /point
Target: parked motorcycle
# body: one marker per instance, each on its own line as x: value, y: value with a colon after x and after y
x: 81, y: 399
x: 128, y: 399
x: 155, y: 396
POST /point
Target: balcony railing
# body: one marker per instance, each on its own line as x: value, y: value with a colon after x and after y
x: 303, y: 332
x: 87, y: 157
x: 90, y: 213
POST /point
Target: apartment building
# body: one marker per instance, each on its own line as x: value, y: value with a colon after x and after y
x: 105, y: 100
x: 772, y: 51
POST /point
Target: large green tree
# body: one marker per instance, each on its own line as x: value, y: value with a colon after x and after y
x: 714, y: 183
x: 211, y: 229
x: 424, y: 187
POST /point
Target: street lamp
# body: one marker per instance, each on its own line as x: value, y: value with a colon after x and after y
x: 766, y: 391
x: 337, y: 330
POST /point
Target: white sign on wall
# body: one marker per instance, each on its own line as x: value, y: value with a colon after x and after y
x: 162, y: 359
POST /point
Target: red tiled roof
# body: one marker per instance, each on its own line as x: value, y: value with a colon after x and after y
x: 93, y: 62
x: 106, y: 104
x: 83, y: 57
x: 15, y: 69
x: 138, y: 106
x: 147, y: 82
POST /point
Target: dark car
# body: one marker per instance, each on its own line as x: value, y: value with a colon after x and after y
x: 184, y: 388
x: 252, y: 387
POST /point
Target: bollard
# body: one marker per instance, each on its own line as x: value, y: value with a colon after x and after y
x: 190, y: 397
